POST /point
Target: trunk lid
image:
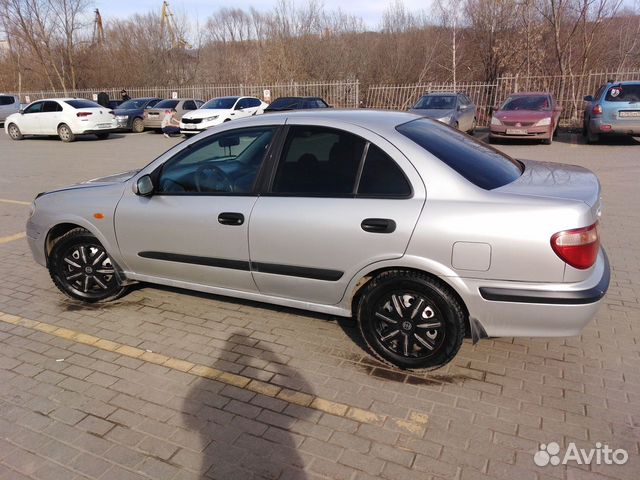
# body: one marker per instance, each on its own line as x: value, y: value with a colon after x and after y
x: 556, y: 180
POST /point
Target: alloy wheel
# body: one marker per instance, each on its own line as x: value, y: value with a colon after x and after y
x: 14, y: 132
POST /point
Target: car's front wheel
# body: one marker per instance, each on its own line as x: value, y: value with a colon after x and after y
x: 81, y: 268
x: 14, y: 132
x: 137, y: 126
x: 65, y: 133
x: 411, y: 320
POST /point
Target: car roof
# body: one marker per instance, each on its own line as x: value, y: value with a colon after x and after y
x: 435, y: 94
x: 366, y: 118
x: 228, y: 96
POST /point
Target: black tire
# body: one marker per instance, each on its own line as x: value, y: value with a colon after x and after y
x: 555, y: 133
x: 548, y: 141
x: 14, y: 132
x: 138, y: 125
x: 81, y: 268
x: 407, y: 298
x: 102, y: 136
x: 473, y: 127
x: 65, y: 134
x: 592, y: 137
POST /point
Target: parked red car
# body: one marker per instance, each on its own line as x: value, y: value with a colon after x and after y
x: 531, y: 115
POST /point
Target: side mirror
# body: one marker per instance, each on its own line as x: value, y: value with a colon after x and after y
x: 144, y: 186
x: 588, y: 98
x: 21, y: 111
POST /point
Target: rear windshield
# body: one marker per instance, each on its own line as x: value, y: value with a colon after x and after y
x: 482, y: 165
x: 82, y: 104
x: 527, y: 102
x: 7, y: 100
x: 167, y: 104
x: 623, y: 93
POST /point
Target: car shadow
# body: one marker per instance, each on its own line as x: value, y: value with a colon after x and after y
x: 244, y: 435
x: 79, y: 138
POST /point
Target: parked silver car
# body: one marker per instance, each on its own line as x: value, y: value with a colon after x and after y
x: 9, y: 104
x: 454, y: 109
x: 422, y: 233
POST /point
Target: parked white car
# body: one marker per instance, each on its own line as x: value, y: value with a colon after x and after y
x: 8, y: 104
x: 220, y: 110
x: 65, y: 117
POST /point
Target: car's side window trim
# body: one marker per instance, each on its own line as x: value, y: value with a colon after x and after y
x: 276, y: 158
x: 258, y: 182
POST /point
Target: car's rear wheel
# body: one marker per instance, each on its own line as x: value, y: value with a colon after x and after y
x: 65, y: 134
x: 137, y: 126
x: 411, y: 320
x: 14, y: 132
x: 592, y: 137
x: 81, y: 268
x: 102, y: 136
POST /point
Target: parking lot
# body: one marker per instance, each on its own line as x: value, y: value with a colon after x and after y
x: 169, y: 384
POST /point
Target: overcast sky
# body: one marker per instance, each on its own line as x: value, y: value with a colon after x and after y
x: 369, y: 10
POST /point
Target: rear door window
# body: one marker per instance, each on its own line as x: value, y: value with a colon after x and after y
x: 50, y: 107
x: 480, y: 164
x: 318, y: 161
x: 189, y: 105
x: 382, y: 177
x: 624, y: 93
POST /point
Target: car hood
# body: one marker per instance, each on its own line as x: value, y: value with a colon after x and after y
x: 522, y: 115
x: 432, y: 112
x: 555, y: 180
x: 204, y: 113
x: 127, y: 111
x: 96, y: 182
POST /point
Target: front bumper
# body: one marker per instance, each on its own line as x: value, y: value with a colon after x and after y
x: 533, y: 133
x: 514, y: 309
x: 604, y: 126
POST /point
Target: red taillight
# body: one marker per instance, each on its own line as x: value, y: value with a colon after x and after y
x: 83, y: 114
x: 596, y: 110
x: 578, y: 247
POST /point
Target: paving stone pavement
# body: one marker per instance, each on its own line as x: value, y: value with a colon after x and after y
x: 74, y: 410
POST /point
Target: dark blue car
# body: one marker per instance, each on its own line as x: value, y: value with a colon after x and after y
x: 130, y: 113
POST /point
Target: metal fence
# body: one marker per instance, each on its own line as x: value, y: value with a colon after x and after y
x: 568, y: 90
x: 340, y: 94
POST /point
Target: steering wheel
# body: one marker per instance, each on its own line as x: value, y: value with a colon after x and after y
x: 208, y: 172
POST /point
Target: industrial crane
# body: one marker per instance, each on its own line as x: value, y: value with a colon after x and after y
x: 168, y: 22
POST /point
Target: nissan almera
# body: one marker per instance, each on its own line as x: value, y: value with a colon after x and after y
x: 417, y: 230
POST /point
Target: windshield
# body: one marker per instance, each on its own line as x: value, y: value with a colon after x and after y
x: 482, y: 165
x: 224, y: 103
x: 133, y: 104
x: 167, y: 104
x: 624, y: 93
x: 82, y: 104
x: 528, y: 102
x: 436, y: 102
x: 284, y: 103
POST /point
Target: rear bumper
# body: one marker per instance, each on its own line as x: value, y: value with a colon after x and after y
x: 153, y: 123
x: 604, y: 126
x: 538, y: 310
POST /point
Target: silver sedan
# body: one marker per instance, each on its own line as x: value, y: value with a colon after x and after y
x: 417, y: 230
